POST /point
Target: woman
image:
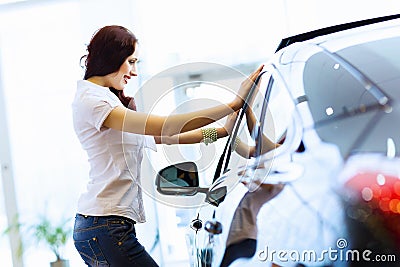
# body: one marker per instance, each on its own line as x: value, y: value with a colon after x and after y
x: 114, y: 135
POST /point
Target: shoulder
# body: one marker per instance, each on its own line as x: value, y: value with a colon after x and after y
x: 90, y: 92
x: 88, y: 89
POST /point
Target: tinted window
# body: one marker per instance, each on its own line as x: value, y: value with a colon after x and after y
x: 345, y: 110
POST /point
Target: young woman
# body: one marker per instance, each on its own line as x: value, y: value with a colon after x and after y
x: 113, y: 134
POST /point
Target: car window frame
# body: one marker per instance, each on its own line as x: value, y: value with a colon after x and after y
x: 227, y: 152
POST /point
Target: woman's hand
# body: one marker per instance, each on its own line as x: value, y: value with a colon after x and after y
x: 246, y: 86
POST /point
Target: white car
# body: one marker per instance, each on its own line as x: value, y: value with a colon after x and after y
x: 329, y: 195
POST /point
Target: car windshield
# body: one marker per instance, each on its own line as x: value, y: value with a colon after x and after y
x: 347, y: 101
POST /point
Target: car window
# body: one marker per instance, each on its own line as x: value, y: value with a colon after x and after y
x: 348, y: 104
x: 272, y: 110
x: 277, y: 114
x: 236, y: 160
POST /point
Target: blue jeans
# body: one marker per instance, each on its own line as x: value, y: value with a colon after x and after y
x: 109, y: 241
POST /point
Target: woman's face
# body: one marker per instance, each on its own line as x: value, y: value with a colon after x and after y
x: 128, y: 69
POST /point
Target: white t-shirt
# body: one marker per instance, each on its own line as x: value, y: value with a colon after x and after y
x: 114, y: 156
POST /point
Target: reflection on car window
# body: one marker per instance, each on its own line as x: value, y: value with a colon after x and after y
x: 280, y: 108
x: 272, y: 110
x: 332, y: 91
x: 341, y: 106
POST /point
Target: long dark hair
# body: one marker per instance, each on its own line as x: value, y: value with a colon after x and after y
x: 107, y: 50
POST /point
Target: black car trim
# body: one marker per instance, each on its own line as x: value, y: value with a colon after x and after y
x: 259, y: 131
x: 332, y: 29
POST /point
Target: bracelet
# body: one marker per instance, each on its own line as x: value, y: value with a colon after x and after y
x: 210, y: 135
x: 235, y: 145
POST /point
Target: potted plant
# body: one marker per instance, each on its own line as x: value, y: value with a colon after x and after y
x: 54, y: 236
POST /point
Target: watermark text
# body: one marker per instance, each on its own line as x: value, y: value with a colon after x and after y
x: 340, y: 253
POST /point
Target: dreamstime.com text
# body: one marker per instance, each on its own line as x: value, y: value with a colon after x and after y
x: 340, y: 253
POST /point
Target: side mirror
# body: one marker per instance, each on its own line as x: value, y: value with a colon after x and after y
x: 182, y: 179
x: 179, y: 179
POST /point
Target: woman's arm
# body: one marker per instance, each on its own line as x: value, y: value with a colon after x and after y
x: 124, y: 119
x: 242, y: 148
x: 267, y: 144
x: 190, y: 137
x: 251, y: 120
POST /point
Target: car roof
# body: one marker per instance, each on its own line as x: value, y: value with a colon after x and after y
x: 332, y: 29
